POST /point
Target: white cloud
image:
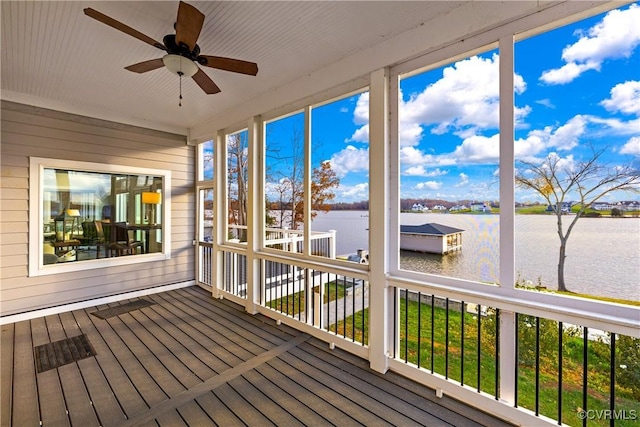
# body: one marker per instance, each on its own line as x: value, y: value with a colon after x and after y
x: 625, y: 98
x: 429, y: 185
x: 464, y: 180
x: 464, y: 100
x: 361, y: 117
x: 632, y: 146
x: 361, y: 134
x: 478, y: 149
x: 567, y: 73
x: 546, y: 102
x: 420, y: 170
x: 616, y: 36
x: 353, y: 192
x: 566, y: 136
x: 350, y: 159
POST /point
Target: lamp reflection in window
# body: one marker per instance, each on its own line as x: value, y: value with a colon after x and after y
x: 151, y: 199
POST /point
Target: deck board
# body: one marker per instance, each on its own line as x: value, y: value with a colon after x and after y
x: 24, y: 379
x: 189, y: 359
x: 6, y: 373
x: 52, y: 404
x: 121, y: 385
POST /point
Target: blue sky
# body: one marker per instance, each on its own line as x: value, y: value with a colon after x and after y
x: 575, y: 86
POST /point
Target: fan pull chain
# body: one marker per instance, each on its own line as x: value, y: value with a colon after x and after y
x: 180, y: 101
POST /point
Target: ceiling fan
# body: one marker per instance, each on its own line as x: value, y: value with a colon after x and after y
x: 183, y: 53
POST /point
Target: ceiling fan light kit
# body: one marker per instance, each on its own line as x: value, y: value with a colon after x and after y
x: 183, y: 53
x: 180, y: 65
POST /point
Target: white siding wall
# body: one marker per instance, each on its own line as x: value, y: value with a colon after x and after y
x: 27, y: 132
x: 414, y: 242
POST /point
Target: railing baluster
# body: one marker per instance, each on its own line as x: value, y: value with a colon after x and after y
x: 517, y: 363
x: 612, y: 389
x: 396, y: 324
x: 461, y: 342
x: 433, y: 304
x: 585, y: 349
x: 353, y: 309
x: 537, y: 400
x: 406, y: 325
x: 560, y: 334
x: 497, y: 374
x: 446, y: 339
x: 479, y: 338
x: 419, y: 326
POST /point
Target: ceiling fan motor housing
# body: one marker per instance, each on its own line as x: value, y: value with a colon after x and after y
x: 180, y: 49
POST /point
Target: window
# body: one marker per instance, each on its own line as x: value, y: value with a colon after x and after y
x: 340, y: 179
x: 449, y: 154
x: 284, y: 188
x: 580, y: 131
x: 237, y: 185
x: 89, y: 215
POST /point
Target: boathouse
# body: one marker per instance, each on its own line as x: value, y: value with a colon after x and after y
x: 431, y: 237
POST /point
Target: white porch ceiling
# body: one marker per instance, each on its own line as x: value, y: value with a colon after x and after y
x: 54, y: 56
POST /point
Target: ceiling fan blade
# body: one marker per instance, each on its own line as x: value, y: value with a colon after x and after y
x: 188, y: 25
x: 143, y: 67
x: 98, y: 16
x: 205, y: 82
x: 229, y: 64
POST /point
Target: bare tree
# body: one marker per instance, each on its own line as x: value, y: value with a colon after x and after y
x: 556, y: 180
x: 237, y: 169
x: 290, y: 183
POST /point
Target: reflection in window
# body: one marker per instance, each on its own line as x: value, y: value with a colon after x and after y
x: 449, y: 153
x: 91, y: 215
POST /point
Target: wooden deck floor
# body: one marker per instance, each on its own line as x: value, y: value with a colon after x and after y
x: 188, y: 359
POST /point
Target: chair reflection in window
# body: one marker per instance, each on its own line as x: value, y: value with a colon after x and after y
x: 116, y: 239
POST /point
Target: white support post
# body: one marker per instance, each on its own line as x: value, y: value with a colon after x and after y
x: 507, y: 217
x: 220, y: 211
x: 255, y: 216
x: 306, y: 243
x: 379, y: 313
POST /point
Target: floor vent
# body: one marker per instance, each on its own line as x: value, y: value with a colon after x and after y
x: 63, y: 352
x: 121, y: 309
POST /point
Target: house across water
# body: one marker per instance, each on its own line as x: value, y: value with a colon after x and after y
x: 431, y: 237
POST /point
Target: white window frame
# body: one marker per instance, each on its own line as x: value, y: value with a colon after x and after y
x: 37, y: 166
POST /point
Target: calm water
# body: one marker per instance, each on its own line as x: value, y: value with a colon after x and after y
x: 603, y: 253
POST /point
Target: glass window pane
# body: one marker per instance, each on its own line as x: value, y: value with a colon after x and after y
x: 284, y: 187
x: 340, y: 179
x: 91, y: 215
x: 577, y: 145
x: 237, y: 185
x: 449, y: 151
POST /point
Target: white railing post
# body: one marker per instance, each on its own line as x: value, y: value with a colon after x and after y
x: 508, y: 356
x: 332, y: 244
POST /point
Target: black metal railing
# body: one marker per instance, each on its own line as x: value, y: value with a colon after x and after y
x: 562, y: 372
x: 457, y: 340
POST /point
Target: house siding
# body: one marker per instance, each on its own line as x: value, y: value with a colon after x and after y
x: 36, y: 132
